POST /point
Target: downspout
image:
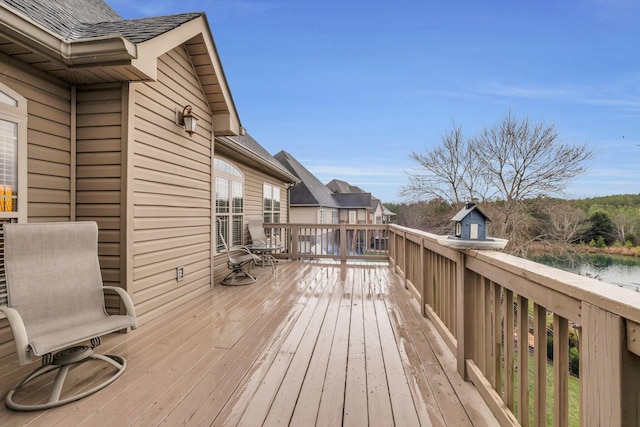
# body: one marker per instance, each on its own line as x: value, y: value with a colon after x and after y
x: 213, y: 247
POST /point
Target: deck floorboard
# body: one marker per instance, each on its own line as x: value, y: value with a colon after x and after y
x: 315, y: 344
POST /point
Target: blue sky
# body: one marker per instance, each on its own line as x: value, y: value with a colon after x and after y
x: 350, y: 88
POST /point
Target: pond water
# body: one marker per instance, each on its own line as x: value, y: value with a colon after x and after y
x: 615, y: 269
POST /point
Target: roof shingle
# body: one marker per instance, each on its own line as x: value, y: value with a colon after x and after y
x: 81, y: 19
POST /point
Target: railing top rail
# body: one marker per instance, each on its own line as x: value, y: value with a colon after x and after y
x: 621, y: 301
x: 329, y: 226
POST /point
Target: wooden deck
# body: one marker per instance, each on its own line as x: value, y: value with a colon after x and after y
x: 313, y: 344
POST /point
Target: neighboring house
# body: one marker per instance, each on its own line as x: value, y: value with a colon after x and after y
x: 377, y: 213
x: 88, y: 106
x: 354, y: 207
x: 388, y: 217
x: 310, y: 201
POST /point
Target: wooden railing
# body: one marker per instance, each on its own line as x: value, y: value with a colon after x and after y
x: 330, y: 241
x: 497, y: 313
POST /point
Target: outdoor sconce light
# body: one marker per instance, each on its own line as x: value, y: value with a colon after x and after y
x: 186, y: 119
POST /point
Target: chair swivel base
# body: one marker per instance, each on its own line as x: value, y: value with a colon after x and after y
x: 62, y: 362
x: 238, y: 277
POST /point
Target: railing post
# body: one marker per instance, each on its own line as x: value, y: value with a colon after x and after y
x: 422, y: 281
x: 609, y: 373
x: 294, y: 242
x: 343, y: 243
x: 464, y: 298
x: 404, y: 259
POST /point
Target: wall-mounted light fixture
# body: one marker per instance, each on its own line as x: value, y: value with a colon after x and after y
x: 186, y: 119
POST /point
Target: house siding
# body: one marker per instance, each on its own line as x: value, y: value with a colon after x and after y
x: 99, y: 170
x: 48, y: 151
x: 307, y: 215
x: 171, y: 183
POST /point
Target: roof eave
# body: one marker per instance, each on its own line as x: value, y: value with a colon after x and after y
x: 99, y: 50
x: 92, y: 51
x: 237, y: 148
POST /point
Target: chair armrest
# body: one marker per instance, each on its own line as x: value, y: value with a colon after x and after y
x: 19, y: 334
x: 241, y: 248
x: 128, y: 303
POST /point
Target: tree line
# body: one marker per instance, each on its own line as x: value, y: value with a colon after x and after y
x: 600, y: 222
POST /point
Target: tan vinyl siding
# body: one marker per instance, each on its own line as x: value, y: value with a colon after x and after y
x: 49, y: 141
x: 171, y: 190
x: 307, y: 215
x: 99, y: 167
x: 48, y: 152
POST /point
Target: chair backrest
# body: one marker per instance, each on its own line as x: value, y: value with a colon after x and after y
x: 53, y: 274
x: 256, y: 231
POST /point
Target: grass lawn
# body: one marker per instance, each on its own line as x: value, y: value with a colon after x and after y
x: 574, y: 396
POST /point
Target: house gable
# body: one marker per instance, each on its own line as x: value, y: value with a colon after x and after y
x: 64, y: 41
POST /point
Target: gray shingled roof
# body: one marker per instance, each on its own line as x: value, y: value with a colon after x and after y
x: 338, y: 186
x: 248, y: 143
x: 353, y: 200
x: 135, y: 30
x: 310, y: 192
x: 80, y: 19
x: 466, y: 210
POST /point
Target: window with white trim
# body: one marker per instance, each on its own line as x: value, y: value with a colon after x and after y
x: 271, y: 204
x: 229, y: 203
x: 335, y: 217
x: 13, y: 155
x: 13, y: 167
x: 322, y: 217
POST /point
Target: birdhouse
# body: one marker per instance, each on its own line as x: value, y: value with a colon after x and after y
x: 470, y: 223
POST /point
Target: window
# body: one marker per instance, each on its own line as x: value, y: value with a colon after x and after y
x: 13, y: 155
x: 352, y: 217
x: 229, y: 203
x: 271, y: 207
x: 323, y: 217
x: 335, y: 218
x: 13, y: 167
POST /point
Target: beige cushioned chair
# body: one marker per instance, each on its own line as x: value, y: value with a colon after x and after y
x: 56, y: 302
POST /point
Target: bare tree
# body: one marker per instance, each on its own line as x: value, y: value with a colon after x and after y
x: 440, y: 171
x: 565, y: 222
x: 524, y: 161
x: 508, y: 163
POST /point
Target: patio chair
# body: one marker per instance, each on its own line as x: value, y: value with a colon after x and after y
x: 261, y: 245
x: 256, y: 231
x: 56, y: 306
x: 239, y: 261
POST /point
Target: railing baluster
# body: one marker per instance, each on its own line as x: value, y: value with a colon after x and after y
x: 560, y: 371
x: 523, y: 360
x: 509, y: 353
x: 540, y: 365
x: 481, y: 327
x: 496, y: 380
x: 487, y: 343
